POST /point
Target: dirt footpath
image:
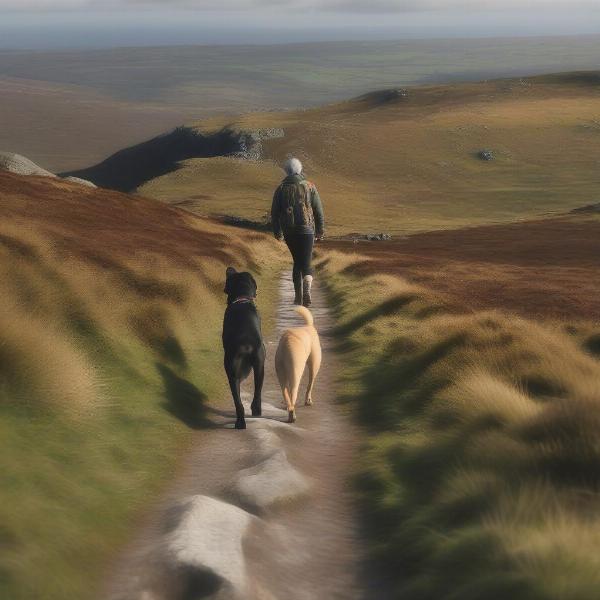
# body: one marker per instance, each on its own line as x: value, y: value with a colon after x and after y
x: 260, y: 514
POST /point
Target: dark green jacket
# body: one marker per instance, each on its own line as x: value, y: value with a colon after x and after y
x: 279, y: 226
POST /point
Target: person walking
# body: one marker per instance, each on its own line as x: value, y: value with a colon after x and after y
x: 297, y: 217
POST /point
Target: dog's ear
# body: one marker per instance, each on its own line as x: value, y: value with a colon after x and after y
x: 230, y: 271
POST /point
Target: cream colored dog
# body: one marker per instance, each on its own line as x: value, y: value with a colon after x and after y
x: 297, y: 347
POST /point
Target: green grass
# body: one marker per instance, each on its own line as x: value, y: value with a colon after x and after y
x: 109, y: 364
x: 479, y: 477
x: 72, y: 488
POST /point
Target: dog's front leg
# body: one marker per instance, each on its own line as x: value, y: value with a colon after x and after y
x: 259, y: 377
x: 234, y: 384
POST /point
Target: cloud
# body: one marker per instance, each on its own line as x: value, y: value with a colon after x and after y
x: 391, y: 6
x: 43, y: 4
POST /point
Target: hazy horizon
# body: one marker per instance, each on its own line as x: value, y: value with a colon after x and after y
x: 118, y: 27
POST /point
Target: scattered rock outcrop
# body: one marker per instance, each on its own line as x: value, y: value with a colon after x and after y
x: 262, y: 225
x: 370, y: 237
x: 205, y: 545
x: 250, y: 142
x: 15, y: 163
x: 589, y: 209
x: 80, y: 181
x: 385, y: 96
x: 20, y: 165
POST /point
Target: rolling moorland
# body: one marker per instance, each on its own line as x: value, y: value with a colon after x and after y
x: 107, y: 360
x: 69, y: 109
x: 397, y: 161
x: 468, y: 345
x: 469, y: 349
x: 479, y: 479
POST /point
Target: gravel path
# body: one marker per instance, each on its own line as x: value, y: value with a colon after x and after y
x: 284, y: 527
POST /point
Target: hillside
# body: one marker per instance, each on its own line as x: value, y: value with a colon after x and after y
x: 110, y: 311
x: 541, y: 269
x: 69, y: 108
x: 403, y: 161
x: 479, y: 478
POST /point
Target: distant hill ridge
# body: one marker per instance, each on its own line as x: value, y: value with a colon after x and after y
x: 129, y: 168
x: 398, y: 160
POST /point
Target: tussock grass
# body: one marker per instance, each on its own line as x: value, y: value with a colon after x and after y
x: 111, y: 309
x: 481, y: 476
x: 42, y: 369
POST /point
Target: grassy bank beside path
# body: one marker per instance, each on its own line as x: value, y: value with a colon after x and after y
x: 481, y: 472
x: 110, y: 359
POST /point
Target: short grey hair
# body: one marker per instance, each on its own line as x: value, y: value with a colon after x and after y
x: 292, y: 166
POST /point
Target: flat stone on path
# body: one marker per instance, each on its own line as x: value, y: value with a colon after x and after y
x: 208, y: 538
x: 304, y: 543
x: 271, y: 482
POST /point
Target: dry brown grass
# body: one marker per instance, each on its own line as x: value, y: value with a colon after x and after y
x: 42, y: 368
x: 538, y: 269
x: 409, y: 165
x: 110, y: 317
x: 480, y: 479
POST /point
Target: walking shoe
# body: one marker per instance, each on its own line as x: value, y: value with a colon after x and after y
x: 306, y: 287
x: 298, y: 290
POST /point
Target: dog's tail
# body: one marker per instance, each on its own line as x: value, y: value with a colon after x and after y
x: 306, y: 315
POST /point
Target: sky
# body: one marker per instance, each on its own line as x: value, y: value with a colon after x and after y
x: 106, y: 23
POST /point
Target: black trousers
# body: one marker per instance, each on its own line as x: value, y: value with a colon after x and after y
x: 301, y: 248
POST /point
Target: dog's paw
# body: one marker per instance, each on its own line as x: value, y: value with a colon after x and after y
x: 256, y: 411
x: 291, y: 416
x: 308, y: 402
x: 240, y: 424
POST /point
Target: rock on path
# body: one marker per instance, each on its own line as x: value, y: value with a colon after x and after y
x: 266, y: 512
x: 207, y: 543
x: 270, y: 483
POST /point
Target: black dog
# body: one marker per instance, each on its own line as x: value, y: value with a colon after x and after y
x: 242, y: 341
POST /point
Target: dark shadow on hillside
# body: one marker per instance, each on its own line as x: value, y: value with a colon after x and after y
x: 131, y: 167
x: 171, y: 349
x: 263, y: 225
x: 592, y: 345
x: 184, y: 400
x: 146, y: 287
x: 381, y: 310
x: 403, y: 386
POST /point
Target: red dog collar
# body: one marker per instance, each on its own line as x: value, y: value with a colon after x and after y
x: 243, y: 299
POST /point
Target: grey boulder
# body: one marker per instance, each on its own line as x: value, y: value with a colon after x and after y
x: 15, y: 163
x: 80, y: 181
x: 272, y: 482
x: 486, y: 155
x: 206, y: 540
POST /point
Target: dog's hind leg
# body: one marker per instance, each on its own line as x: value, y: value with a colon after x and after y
x: 259, y: 377
x: 314, y: 364
x: 287, y: 397
x: 234, y: 384
x: 295, y: 386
